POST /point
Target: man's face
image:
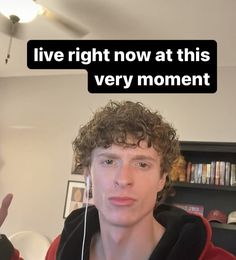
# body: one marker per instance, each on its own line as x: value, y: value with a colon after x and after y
x: 125, y: 183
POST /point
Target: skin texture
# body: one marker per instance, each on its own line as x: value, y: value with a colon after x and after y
x: 4, y: 207
x: 126, y: 181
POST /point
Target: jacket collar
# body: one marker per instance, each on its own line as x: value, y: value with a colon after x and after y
x: 184, y: 238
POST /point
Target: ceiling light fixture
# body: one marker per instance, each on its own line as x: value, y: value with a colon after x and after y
x: 19, y: 11
x: 24, y: 10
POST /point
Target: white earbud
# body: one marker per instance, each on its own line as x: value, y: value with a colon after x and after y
x: 87, y: 185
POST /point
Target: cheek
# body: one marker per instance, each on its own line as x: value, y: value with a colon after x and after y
x: 148, y: 186
x: 153, y: 190
x: 97, y: 195
x: 100, y: 188
x: 147, y: 193
x: 151, y: 187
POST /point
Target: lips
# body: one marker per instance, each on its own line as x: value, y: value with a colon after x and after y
x: 122, y: 201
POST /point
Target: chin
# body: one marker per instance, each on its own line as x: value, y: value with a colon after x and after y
x: 120, y: 218
x: 121, y: 221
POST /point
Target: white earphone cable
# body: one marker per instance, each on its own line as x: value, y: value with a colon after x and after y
x: 85, y: 224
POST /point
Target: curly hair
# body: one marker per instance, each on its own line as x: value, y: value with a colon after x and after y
x: 115, y: 122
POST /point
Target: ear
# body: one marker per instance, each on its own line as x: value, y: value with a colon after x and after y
x: 162, y: 182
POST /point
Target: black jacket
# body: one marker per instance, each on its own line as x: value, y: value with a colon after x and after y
x: 184, y: 239
x: 187, y: 237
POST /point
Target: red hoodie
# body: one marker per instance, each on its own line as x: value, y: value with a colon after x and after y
x: 187, y: 237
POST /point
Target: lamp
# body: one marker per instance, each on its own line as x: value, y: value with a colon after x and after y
x: 24, y: 10
x: 18, y: 11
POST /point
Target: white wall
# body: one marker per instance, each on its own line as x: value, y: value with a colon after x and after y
x: 40, y: 116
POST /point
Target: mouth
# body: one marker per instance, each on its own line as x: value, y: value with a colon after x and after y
x: 122, y: 201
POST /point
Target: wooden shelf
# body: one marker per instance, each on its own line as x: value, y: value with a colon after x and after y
x: 209, y: 196
x: 207, y: 147
x: 223, y: 226
x: 203, y: 186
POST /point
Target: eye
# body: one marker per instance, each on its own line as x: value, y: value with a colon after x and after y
x: 108, y: 162
x: 143, y: 165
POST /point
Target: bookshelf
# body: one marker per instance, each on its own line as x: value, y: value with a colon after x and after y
x: 224, y: 236
x: 210, y: 196
x: 224, y: 226
x: 204, y: 186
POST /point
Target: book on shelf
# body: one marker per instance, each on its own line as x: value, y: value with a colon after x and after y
x: 199, y: 172
x: 204, y: 173
x: 227, y: 173
x: 213, y: 169
x: 233, y: 175
x: 215, y: 173
x: 222, y: 173
x: 208, y: 178
x: 188, y: 172
x: 196, y: 173
x: 192, y: 173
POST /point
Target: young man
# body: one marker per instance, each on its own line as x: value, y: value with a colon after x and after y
x: 127, y: 152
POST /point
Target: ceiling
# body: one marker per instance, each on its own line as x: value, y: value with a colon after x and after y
x: 132, y: 19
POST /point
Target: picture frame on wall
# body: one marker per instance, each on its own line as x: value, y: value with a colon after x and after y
x: 75, y: 196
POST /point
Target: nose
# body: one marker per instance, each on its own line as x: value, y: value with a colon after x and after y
x: 123, y: 176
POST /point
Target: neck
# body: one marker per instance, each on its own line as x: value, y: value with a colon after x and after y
x: 115, y: 242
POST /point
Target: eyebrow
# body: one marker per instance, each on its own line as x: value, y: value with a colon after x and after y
x: 144, y: 157
x: 108, y: 154
x: 135, y: 157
